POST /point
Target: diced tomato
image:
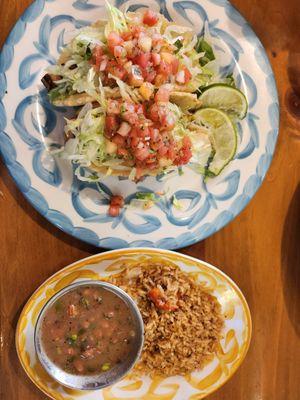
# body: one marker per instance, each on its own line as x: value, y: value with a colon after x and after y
x: 136, y: 30
x: 130, y: 117
x: 122, y: 152
x: 150, y: 76
x: 111, y: 125
x: 119, y: 52
x: 168, y: 121
x: 187, y: 75
x: 142, y: 154
x: 162, y: 151
x: 118, y: 71
x: 143, y: 132
x: 119, y: 140
x: 164, y: 68
x: 153, y: 113
x: 113, y: 40
x: 171, y: 152
x: 129, y: 106
x: 155, y: 145
x: 140, y: 108
x: 175, y: 66
x: 186, y: 142
x: 117, y: 200
x: 97, y: 56
x: 155, y: 58
x: 126, y: 35
x: 113, y: 107
x: 150, y: 18
x: 154, y: 134
x: 134, y: 139
x: 151, y: 159
x: 114, y: 211
x: 162, y: 95
x: 142, y: 60
x: 160, y: 300
x: 185, y: 153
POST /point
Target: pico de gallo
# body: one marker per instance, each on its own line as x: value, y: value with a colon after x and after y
x: 139, y: 79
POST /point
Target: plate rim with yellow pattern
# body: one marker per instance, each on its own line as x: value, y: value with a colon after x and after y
x: 231, y: 352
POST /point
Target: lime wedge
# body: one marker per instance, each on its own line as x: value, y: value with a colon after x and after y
x: 226, y: 98
x: 223, y: 136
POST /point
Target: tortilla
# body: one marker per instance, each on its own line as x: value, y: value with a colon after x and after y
x: 81, y: 99
x: 108, y: 171
x: 186, y: 101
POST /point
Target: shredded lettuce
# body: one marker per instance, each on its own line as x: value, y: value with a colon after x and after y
x: 89, y: 144
x: 146, y: 196
x: 229, y: 80
x: 177, y: 203
x: 116, y: 20
x: 85, y: 175
x: 203, y: 47
x: 144, y: 200
x: 74, y: 67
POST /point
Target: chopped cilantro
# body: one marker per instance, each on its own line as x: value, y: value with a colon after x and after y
x: 176, y: 203
x: 230, y: 80
x: 145, y: 196
x: 203, y: 47
x: 178, y: 44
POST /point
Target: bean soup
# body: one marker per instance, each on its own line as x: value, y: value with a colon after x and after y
x: 88, y: 330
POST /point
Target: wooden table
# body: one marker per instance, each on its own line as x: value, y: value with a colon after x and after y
x: 260, y: 249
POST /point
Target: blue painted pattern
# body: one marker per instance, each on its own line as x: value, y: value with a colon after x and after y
x: 194, y: 222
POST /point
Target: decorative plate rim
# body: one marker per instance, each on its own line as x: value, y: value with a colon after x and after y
x: 136, y: 251
x: 176, y: 242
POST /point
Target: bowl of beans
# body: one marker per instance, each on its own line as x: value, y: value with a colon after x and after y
x: 89, y: 335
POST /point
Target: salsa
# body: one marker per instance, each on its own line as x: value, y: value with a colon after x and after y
x: 88, y: 330
x: 141, y: 134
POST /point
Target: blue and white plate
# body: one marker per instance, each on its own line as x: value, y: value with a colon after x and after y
x: 28, y: 124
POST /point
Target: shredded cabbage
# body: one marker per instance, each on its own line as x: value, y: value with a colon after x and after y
x: 177, y: 203
x: 85, y: 175
x: 89, y: 144
x: 116, y: 20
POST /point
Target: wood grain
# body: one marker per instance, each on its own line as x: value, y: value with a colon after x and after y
x: 260, y: 249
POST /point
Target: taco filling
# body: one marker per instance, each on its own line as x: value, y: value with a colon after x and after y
x: 139, y: 80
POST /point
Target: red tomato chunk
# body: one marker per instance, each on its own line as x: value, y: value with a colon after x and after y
x: 150, y: 18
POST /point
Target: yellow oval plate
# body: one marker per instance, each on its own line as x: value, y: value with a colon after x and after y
x: 231, y: 350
